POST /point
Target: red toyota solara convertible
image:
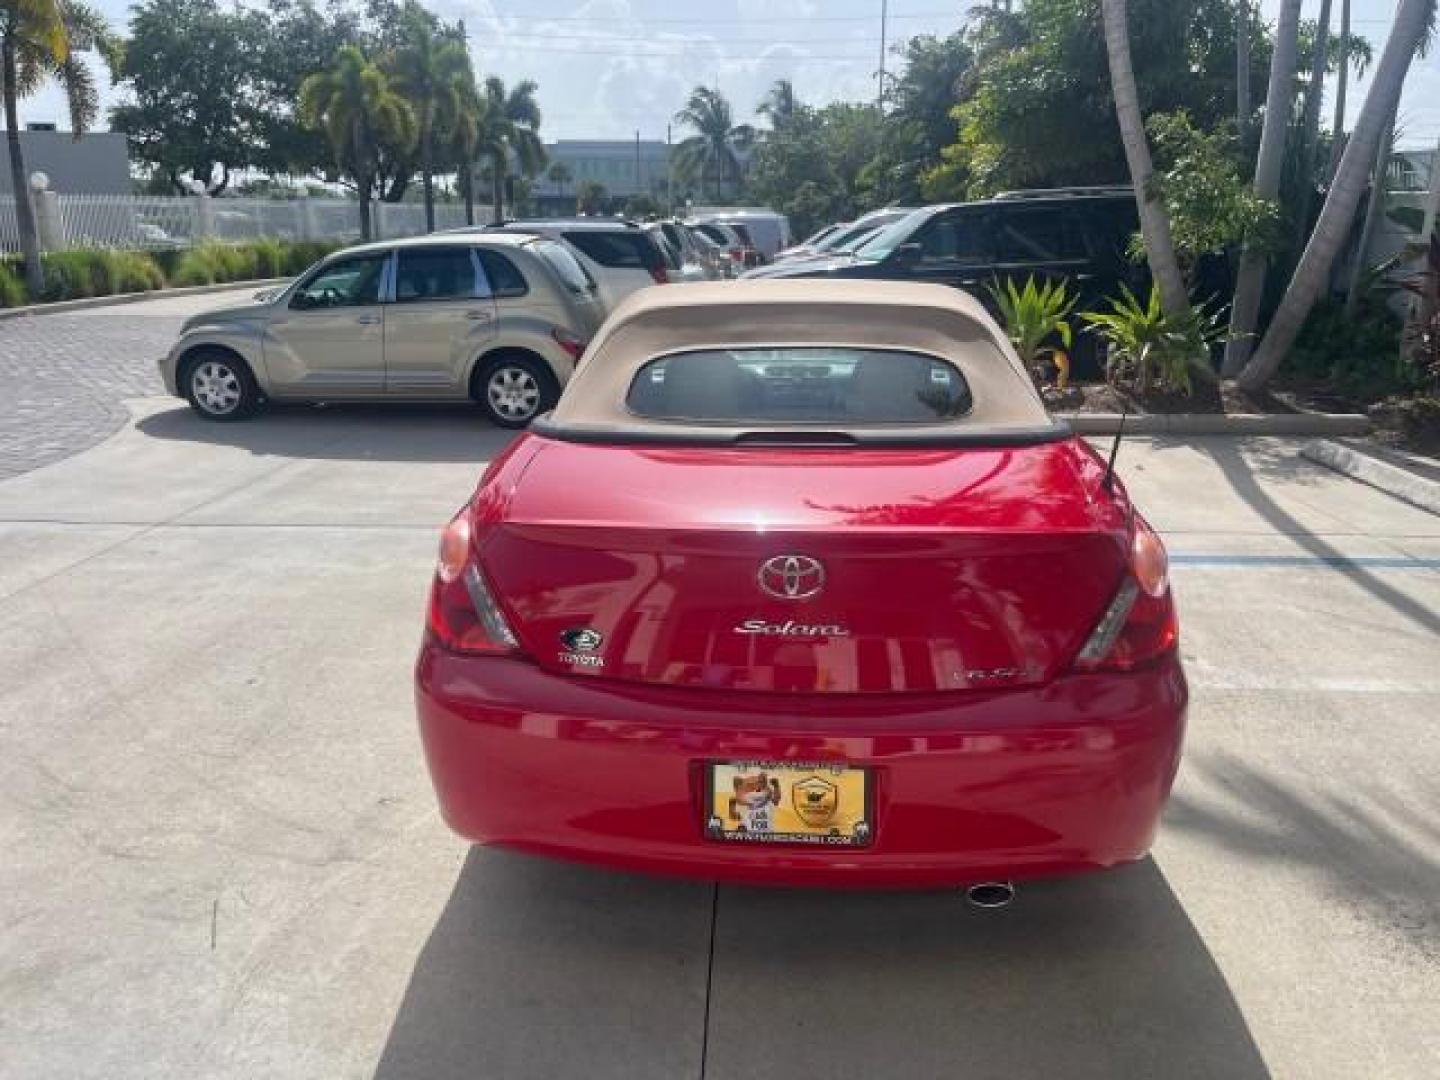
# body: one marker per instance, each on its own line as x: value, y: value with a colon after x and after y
x: 800, y: 584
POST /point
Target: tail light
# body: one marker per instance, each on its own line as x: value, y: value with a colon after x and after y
x: 463, y: 613
x: 658, y: 273
x: 569, y: 342
x: 738, y: 254
x: 1139, y: 625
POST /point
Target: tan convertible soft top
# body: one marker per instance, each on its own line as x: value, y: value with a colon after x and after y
x: 931, y: 319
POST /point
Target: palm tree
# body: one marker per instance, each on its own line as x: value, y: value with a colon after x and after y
x: 510, y: 126
x: 780, y: 104
x: 41, y: 40
x: 1413, y: 19
x: 1154, y: 220
x: 1342, y: 86
x: 1310, y: 130
x: 430, y: 68
x: 590, y: 197
x: 355, y: 105
x: 1279, y: 102
x: 465, y: 140
x: 712, y: 150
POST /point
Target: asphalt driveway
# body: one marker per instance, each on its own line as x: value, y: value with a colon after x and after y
x: 222, y: 857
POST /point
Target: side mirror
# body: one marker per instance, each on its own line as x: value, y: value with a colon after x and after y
x: 908, y: 254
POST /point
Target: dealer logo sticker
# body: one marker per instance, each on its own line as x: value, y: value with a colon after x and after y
x: 815, y: 799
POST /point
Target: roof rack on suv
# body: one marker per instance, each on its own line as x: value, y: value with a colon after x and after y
x: 1064, y: 192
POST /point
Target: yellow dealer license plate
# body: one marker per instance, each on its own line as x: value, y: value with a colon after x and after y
x: 761, y: 802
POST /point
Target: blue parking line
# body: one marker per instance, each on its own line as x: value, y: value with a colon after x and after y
x: 1330, y: 562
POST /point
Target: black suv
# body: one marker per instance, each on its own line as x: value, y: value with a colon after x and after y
x: 1080, y: 234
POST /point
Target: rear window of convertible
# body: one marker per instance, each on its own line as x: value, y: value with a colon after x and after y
x: 804, y: 384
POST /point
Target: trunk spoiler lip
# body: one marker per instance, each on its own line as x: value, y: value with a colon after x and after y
x: 801, y: 437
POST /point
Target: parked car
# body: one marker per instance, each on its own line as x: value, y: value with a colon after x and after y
x: 806, y: 246
x: 677, y: 266
x: 711, y: 253
x: 853, y: 240
x: 498, y: 318
x: 848, y: 608
x: 692, y: 247
x: 618, y: 254
x: 732, y: 239
x: 767, y: 231
x: 1080, y: 235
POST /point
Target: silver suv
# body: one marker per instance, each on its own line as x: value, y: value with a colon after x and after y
x: 498, y: 318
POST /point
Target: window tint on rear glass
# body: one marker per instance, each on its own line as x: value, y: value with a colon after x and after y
x: 803, y: 384
x: 567, y: 268
x: 505, y: 277
x: 621, y: 250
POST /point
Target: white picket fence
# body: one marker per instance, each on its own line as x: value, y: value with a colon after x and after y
x: 151, y: 222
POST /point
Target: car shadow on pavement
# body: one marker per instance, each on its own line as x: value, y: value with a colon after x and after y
x: 1241, y: 471
x: 1378, y: 848
x: 537, y: 969
x: 456, y: 434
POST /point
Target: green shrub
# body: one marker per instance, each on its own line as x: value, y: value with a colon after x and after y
x: 300, y: 256
x: 135, y: 271
x: 12, y: 285
x: 1356, y: 354
x: 269, y: 256
x: 75, y: 275
x: 1147, y: 346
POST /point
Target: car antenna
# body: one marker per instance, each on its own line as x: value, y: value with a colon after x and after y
x: 1108, y: 480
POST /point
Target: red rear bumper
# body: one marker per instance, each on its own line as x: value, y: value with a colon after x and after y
x: 1071, y: 776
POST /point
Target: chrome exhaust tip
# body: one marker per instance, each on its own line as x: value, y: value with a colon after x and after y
x: 990, y: 894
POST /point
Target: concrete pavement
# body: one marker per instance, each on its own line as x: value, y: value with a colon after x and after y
x: 222, y: 856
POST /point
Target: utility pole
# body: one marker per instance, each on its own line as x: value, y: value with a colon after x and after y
x: 639, y: 186
x: 669, y: 175
x: 880, y: 88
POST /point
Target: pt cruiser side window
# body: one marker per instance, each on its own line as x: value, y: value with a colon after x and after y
x: 352, y: 282
x: 437, y: 273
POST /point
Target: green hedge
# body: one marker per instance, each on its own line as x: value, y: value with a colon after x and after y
x: 73, y: 275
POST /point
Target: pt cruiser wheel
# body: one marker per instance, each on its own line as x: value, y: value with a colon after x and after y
x: 514, y: 391
x: 220, y: 387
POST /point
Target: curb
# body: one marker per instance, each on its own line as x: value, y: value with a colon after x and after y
x: 59, y: 307
x: 1378, y: 473
x: 1321, y: 424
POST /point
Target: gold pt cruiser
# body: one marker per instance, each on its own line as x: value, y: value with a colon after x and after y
x: 498, y: 319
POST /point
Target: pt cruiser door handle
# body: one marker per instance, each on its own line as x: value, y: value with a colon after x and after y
x: 478, y: 316
x: 367, y: 320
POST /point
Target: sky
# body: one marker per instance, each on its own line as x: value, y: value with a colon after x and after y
x: 609, y: 68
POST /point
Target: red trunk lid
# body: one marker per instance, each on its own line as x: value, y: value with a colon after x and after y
x: 937, y: 569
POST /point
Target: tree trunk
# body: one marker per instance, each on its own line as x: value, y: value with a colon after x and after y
x: 497, y: 188
x: 1154, y: 220
x: 1342, y: 84
x: 24, y: 209
x: 1310, y: 132
x: 1374, y: 207
x: 1338, y: 212
x: 363, y: 191
x: 427, y: 167
x: 1242, y: 70
x: 467, y: 181
x: 1279, y: 99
